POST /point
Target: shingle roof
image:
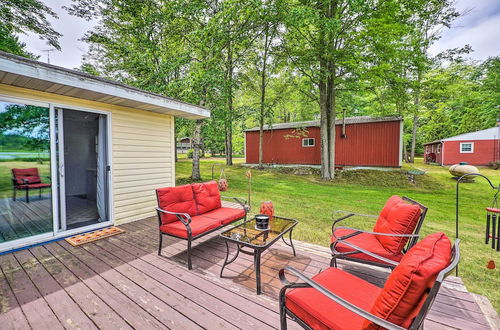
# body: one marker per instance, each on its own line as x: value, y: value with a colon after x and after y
x: 315, y: 123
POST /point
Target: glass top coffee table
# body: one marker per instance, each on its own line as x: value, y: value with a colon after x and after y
x: 246, y: 235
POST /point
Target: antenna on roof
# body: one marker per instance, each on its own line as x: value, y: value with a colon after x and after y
x: 48, y: 53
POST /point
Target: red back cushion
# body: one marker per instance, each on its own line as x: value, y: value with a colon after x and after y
x: 29, y: 174
x: 397, y: 217
x: 176, y: 199
x: 401, y: 298
x: 207, y: 196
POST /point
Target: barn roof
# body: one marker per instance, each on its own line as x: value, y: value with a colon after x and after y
x: 27, y: 73
x: 315, y: 123
x: 492, y: 133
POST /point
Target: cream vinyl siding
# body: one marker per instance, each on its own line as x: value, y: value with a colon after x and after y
x: 142, y: 162
x: 141, y: 148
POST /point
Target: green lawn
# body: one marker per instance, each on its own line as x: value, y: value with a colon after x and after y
x: 312, y: 202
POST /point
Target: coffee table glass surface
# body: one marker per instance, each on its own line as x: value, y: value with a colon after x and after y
x: 247, y: 234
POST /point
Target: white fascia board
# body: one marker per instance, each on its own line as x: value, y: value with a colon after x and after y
x: 73, y: 80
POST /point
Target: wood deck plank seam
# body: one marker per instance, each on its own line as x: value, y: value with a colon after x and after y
x: 67, y: 289
x: 140, y: 303
x: 89, y: 247
x: 46, y: 296
x: 14, y: 296
x: 179, y: 292
x: 123, y: 240
x: 99, y: 281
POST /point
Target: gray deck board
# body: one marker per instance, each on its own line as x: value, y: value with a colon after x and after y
x: 121, y: 283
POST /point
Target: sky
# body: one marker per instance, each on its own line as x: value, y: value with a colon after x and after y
x: 478, y: 27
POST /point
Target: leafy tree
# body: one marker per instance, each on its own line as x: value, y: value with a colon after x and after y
x: 21, y: 16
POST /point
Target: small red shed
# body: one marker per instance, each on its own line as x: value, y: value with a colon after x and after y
x: 359, y: 141
x: 476, y: 148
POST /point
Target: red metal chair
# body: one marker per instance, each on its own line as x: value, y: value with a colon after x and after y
x: 394, y: 233
x: 335, y: 299
x: 27, y: 179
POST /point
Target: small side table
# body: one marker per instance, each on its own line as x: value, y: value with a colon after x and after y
x: 246, y: 235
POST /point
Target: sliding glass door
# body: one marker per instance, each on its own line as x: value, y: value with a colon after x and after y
x: 83, y: 168
x: 54, y: 172
x: 25, y: 171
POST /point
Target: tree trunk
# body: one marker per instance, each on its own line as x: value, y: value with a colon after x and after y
x: 324, y: 132
x: 263, y: 99
x: 414, y: 138
x: 229, y: 120
x: 195, y: 173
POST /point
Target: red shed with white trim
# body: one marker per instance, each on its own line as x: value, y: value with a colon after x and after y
x: 359, y: 141
x: 476, y: 148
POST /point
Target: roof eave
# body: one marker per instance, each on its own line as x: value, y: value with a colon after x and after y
x: 41, y: 71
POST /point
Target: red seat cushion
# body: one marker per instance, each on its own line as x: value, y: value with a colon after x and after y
x: 225, y: 214
x: 320, y: 312
x: 34, y: 186
x: 30, y: 175
x: 199, y: 225
x: 407, y: 286
x: 176, y: 199
x: 207, y: 196
x: 397, y: 217
x: 366, y: 241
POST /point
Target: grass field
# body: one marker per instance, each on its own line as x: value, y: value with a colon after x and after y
x: 312, y: 202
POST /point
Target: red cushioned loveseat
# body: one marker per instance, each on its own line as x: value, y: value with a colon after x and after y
x: 335, y: 299
x: 194, y: 210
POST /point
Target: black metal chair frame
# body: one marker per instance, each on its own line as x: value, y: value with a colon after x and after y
x: 309, y: 283
x: 186, y: 220
x: 26, y: 188
x: 387, y: 263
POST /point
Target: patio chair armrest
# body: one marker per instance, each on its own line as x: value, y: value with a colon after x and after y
x: 332, y: 296
x: 183, y: 217
x: 347, y: 215
x: 361, y: 250
x: 376, y: 233
x: 241, y: 201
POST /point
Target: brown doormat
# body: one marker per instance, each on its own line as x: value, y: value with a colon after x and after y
x: 94, y: 236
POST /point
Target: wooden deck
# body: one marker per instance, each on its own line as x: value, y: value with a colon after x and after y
x: 120, y: 282
x: 19, y: 219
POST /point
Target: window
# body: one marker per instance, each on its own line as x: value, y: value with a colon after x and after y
x: 309, y: 142
x: 467, y: 147
x: 439, y: 148
x: 432, y: 148
x: 427, y: 149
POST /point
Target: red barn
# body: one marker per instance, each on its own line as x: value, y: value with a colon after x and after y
x: 476, y: 148
x: 360, y: 141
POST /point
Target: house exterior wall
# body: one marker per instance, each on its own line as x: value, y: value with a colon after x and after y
x: 142, y: 152
x: 367, y: 144
x: 483, y: 154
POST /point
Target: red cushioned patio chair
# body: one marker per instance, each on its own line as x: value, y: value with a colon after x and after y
x: 192, y: 211
x: 394, y: 233
x: 27, y: 179
x: 335, y: 299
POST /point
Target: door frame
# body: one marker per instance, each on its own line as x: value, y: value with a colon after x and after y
x: 56, y: 234
x: 61, y: 193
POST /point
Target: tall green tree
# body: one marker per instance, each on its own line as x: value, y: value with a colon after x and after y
x: 22, y: 16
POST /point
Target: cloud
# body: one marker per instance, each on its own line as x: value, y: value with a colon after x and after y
x: 478, y: 27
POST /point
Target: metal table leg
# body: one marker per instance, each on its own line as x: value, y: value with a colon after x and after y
x: 256, y: 258
x: 291, y: 242
x: 226, y: 262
